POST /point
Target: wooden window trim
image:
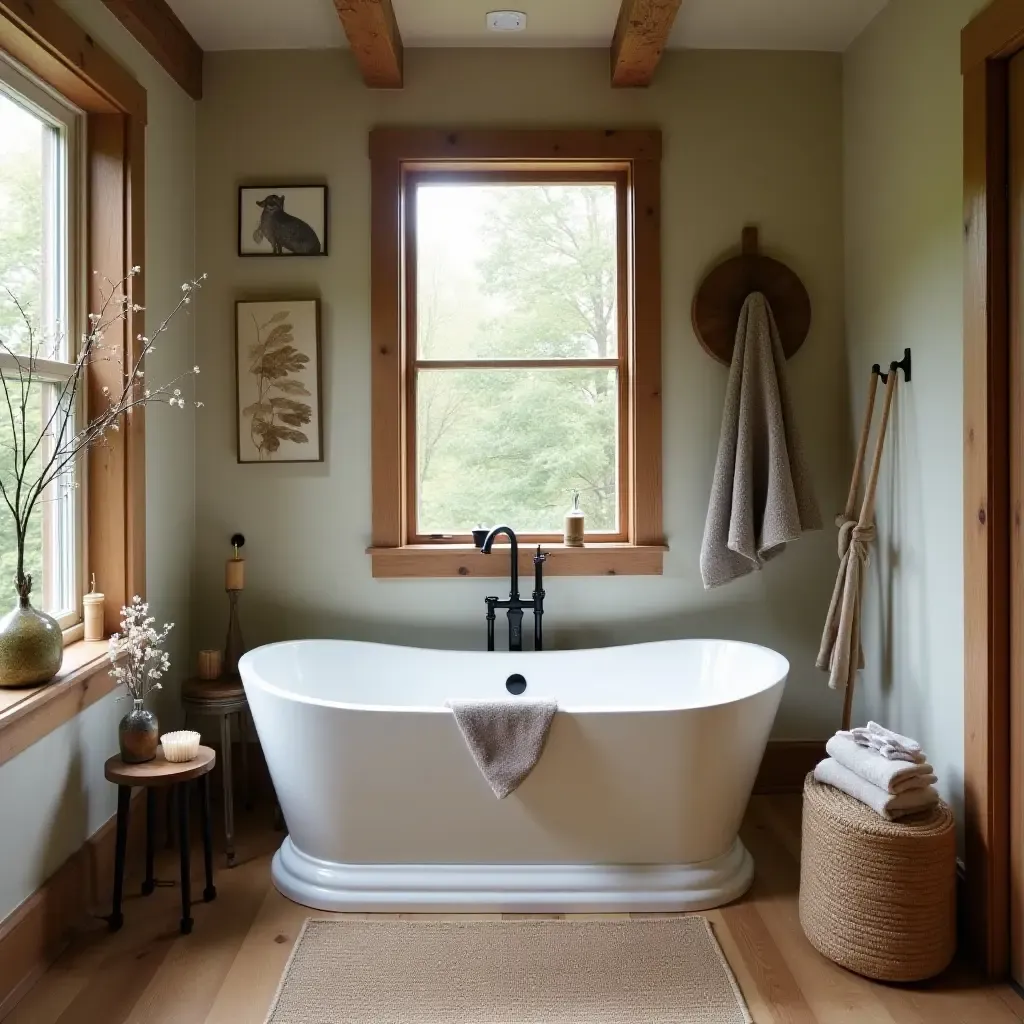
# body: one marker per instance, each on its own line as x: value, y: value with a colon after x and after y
x: 46, y: 40
x: 28, y: 715
x: 394, y: 154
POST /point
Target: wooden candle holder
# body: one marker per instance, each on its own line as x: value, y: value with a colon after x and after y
x: 234, y: 584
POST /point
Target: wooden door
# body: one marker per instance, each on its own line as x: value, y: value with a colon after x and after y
x: 1016, y: 385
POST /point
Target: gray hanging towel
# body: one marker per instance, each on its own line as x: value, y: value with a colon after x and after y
x: 505, y: 737
x: 761, y: 496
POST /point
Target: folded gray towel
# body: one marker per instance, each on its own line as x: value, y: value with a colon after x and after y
x: 505, y: 737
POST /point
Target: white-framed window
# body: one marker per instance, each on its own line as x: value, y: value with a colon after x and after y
x: 41, y: 267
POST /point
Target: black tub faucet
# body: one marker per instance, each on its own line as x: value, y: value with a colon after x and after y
x: 515, y: 604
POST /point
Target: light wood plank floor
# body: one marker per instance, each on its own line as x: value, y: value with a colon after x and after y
x: 227, y: 971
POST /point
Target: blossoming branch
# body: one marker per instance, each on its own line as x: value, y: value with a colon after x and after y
x: 45, y: 456
x: 136, y: 654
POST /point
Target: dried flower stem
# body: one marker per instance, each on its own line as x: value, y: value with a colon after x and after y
x: 59, y: 441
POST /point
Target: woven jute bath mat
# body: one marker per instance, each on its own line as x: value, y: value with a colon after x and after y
x: 629, y: 971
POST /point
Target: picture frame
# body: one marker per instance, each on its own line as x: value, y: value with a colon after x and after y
x: 278, y: 381
x: 282, y: 220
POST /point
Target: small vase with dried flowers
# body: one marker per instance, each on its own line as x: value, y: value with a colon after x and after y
x: 139, y: 662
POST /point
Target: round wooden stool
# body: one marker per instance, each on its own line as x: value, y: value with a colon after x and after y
x: 223, y: 698
x: 151, y: 776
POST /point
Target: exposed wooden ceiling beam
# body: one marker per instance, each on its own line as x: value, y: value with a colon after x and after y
x: 640, y: 38
x: 372, y: 31
x: 169, y: 43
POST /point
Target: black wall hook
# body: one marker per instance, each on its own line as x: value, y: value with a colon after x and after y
x: 903, y: 364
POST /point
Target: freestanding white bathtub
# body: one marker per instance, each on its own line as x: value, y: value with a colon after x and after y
x: 634, y: 805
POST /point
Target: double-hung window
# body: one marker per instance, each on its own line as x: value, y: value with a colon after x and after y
x: 517, y: 354
x: 41, y: 178
x: 517, y: 358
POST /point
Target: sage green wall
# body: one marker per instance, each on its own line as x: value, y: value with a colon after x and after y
x: 748, y: 138
x: 902, y: 167
x: 53, y: 796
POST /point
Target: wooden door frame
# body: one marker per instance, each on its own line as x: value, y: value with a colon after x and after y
x: 987, y: 45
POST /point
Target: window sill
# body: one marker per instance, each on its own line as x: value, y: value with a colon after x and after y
x: 452, y: 560
x: 28, y: 715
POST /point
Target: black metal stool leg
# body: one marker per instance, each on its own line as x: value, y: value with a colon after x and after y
x: 124, y: 797
x: 186, y: 879
x: 169, y: 809
x: 229, y: 798
x: 150, y: 883
x: 210, y: 892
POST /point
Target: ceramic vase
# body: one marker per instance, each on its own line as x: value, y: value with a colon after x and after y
x: 31, y: 643
x: 138, y: 734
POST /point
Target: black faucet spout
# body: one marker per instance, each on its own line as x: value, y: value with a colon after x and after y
x: 489, y: 543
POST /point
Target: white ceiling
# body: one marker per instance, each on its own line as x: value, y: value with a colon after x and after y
x: 711, y: 24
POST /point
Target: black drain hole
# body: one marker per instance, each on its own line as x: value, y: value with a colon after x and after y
x: 515, y: 684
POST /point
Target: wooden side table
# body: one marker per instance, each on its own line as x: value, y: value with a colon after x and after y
x: 151, y: 776
x: 223, y: 698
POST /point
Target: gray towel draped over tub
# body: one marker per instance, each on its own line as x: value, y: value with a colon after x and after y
x: 761, y: 495
x: 505, y: 737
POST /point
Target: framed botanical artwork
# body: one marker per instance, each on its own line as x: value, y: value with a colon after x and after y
x: 282, y: 220
x: 277, y: 369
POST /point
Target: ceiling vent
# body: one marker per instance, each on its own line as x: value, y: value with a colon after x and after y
x: 506, y: 21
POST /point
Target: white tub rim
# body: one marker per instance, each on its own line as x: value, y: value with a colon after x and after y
x: 772, y: 679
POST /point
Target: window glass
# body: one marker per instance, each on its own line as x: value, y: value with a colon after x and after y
x: 510, y: 445
x: 516, y: 271
x: 526, y: 271
x: 37, y: 332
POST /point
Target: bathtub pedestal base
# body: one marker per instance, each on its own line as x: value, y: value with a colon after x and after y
x: 511, y: 888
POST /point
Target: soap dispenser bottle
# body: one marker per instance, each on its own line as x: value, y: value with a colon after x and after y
x: 574, y: 523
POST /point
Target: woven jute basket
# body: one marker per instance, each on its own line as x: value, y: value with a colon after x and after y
x: 877, y: 897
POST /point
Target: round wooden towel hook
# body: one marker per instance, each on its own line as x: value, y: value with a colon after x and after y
x: 720, y: 297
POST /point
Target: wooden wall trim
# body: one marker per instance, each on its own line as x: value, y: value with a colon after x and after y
x: 641, y: 35
x: 37, y: 932
x: 117, y: 469
x: 165, y: 38
x: 986, y: 513
x: 133, y: 486
x: 53, y: 45
x: 995, y: 34
x: 436, y: 144
x: 386, y: 384
x: 785, y: 765
x: 646, y: 490
x: 1015, y: 194
x: 376, y: 42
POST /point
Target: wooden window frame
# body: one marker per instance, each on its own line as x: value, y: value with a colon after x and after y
x: 400, y: 158
x: 45, y: 40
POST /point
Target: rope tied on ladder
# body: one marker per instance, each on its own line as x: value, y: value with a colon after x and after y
x: 840, y: 653
x: 851, y: 530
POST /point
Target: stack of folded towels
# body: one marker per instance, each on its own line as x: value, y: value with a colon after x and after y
x: 882, y: 769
